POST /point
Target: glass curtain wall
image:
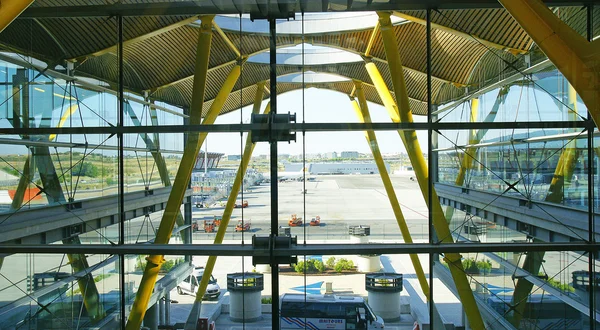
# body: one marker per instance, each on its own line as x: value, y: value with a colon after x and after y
x: 124, y: 136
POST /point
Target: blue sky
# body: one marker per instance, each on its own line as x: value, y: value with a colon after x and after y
x: 320, y: 106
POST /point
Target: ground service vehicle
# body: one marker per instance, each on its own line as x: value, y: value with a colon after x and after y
x: 295, y: 221
x: 316, y: 221
x: 191, y: 283
x: 242, y: 226
x: 326, y: 312
x: 243, y: 205
x: 209, y: 226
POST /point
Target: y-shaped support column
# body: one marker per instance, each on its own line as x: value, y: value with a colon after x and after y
x: 564, y: 171
x: 184, y: 172
x: 575, y: 57
x: 235, y: 189
x: 469, y: 156
x: 362, y: 112
x: 11, y: 9
x: 402, y: 113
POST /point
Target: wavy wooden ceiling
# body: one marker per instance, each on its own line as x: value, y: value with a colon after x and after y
x: 161, y: 57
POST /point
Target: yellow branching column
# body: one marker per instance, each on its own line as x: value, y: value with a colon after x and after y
x: 194, y: 141
x: 235, y: 189
x: 563, y: 173
x: 362, y: 112
x: 11, y: 9
x: 575, y: 57
x: 469, y: 157
x: 402, y: 113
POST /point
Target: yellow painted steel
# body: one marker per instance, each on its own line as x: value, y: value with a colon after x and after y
x: 372, y: 39
x: 24, y: 181
x: 402, y: 113
x: 11, y: 9
x: 532, y: 264
x: 362, y: 112
x: 571, y: 53
x: 227, y: 40
x: 476, y: 138
x: 568, y: 157
x: 70, y: 111
x: 194, y: 141
x: 235, y: 189
x: 563, y: 173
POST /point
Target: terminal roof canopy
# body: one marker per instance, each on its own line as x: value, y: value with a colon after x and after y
x: 468, y: 46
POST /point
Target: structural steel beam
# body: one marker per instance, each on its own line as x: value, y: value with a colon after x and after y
x: 11, y: 9
x: 476, y: 138
x: 227, y: 40
x: 113, y: 49
x: 372, y: 39
x: 362, y: 112
x: 575, y: 57
x: 194, y: 142
x: 563, y: 172
x: 235, y: 189
x: 532, y: 263
x: 468, y: 36
x: 402, y: 113
x: 159, y: 160
x: 51, y: 187
x: 24, y: 181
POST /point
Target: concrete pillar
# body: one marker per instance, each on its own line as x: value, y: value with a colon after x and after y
x: 263, y: 268
x: 384, y: 294
x: 168, y: 308
x: 161, y: 312
x: 244, y: 296
x: 151, y: 318
x: 368, y: 263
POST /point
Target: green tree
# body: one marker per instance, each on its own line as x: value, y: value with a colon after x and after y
x: 86, y: 169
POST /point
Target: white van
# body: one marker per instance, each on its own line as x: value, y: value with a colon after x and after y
x: 298, y: 311
x: 191, y: 283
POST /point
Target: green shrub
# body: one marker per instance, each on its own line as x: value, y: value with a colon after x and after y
x: 319, y: 266
x: 169, y: 264
x: 557, y: 284
x: 343, y: 264
x: 484, y: 266
x: 311, y: 265
x: 470, y: 266
x: 330, y: 262
x: 266, y: 300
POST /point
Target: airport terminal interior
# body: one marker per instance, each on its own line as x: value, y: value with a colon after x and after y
x: 297, y: 164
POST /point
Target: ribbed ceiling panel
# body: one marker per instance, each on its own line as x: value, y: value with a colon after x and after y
x: 163, y: 62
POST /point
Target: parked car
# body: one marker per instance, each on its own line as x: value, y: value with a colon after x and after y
x: 191, y: 283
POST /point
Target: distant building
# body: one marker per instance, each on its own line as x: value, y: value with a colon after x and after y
x: 284, y: 156
x: 335, y: 168
x: 330, y: 155
x: 349, y: 154
x: 345, y: 168
x: 234, y: 157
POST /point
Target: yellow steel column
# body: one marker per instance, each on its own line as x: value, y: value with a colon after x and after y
x: 11, y: 9
x: 194, y: 141
x: 362, y: 112
x: 402, y: 113
x: 563, y: 172
x: 476, y: 138
x: 573, y: 55
x: 235, y: 189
